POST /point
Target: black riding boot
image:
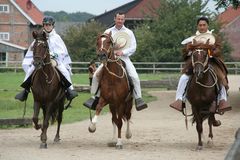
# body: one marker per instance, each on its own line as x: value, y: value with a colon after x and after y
x: 91, y: 103
x: 70, y: 94
x: 22, y: 96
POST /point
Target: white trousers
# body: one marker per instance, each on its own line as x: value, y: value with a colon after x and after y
x: 182, y: 84
x: 61, y: 67
x: 131, y: 72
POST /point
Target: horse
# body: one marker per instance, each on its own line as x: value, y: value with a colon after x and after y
x: 115, y: 90
x: 202, y: 90
x: 46, y: 87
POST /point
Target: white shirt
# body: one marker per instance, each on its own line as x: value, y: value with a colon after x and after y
x: 56, y: 45
x: 128, y: 51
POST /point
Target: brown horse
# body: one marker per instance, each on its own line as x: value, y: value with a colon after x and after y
x: 47, y: 91
x: 202, y: 90
x: 114, y: 88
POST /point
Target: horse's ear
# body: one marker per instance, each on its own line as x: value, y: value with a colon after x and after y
x: 110, y: 33
x: 44, y: 34
x: 194, y: 42
x: 207, y: 41
x: 34, y: 34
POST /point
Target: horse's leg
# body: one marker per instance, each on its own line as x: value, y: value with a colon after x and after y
x: 99, y: 107
x: 128, y: 114
x: 197, y: 116
x: 210, y: 123
x: 45, y: 125
x: 119, y: 144
x: 36, y: 109
x: 59, y: 120
x: 114, y: 119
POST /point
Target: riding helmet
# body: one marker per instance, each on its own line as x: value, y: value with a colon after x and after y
x: 48, y: 20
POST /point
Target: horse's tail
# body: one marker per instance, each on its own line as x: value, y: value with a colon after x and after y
x: 204, y: 116
x: 54, y: 115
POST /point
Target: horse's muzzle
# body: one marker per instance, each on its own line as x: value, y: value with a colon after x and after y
x: 102, y: 57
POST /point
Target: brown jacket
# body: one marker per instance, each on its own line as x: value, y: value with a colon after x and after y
x: 216, y: 61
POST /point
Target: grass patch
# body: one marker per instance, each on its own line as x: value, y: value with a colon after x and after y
x: 11, y: 108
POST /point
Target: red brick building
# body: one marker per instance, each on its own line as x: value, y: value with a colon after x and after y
x: 230, y: 20
x: 18, y: 19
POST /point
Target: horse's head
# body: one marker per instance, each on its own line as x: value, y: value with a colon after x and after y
x: 105, y: 46
x: 41, y: 54
x: 200, y: 57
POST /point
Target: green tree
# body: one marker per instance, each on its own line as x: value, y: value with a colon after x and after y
x: 160, y: 40
x: 81, y: 41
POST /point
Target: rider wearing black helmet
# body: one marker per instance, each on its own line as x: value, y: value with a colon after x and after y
x: 59, y: 52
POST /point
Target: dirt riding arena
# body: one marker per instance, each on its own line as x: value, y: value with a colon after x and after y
x: 159, y: 133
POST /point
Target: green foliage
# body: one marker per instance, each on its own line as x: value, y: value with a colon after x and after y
x: 62, y: 16
x: 81, y: 41
x: 160, y: 39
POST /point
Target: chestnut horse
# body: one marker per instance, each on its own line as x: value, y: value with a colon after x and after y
x: 47, y: 90
x: 114, y: 88
x: 202, y: 90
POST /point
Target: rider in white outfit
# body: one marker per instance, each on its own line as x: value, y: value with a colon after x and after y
x: 202, y: 26
x: 124, y: 56
x: 58, y: 51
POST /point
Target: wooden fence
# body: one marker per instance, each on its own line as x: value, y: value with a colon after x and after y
x: 142, y: 67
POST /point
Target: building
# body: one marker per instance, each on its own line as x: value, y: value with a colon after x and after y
x: 136, y: 12
x: 18, y: 19
x: 230, y: 20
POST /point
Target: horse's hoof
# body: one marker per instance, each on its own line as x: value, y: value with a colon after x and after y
x: 129, y: 135
x: 37, y: 127
x: 92, y: 128
x: 119, y: 147
x: 112, y: 144
x: 43, y: 145
x: 199, y: 148
x: 56, y: 140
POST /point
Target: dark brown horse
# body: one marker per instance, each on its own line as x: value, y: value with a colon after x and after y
x: 202, y: 90
x: 114, y: 88
x: 47, y: 91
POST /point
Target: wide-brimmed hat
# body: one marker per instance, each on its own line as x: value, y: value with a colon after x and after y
x: 203, y: 37
x: 121, y: 40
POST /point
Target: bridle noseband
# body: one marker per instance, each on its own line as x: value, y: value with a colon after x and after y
x: 39, y: 64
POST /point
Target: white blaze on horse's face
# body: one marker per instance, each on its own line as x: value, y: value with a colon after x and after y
x: 102, y: 41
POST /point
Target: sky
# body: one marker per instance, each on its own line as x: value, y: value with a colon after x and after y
x: 95, y: 7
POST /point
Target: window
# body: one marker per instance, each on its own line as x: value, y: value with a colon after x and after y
x: 4, y: 8
x: 2, y: 59
x: 4, y: 36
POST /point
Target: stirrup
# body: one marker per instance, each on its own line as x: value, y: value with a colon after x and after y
x: 140, y: 104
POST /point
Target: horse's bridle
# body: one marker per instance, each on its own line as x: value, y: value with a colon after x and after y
x: 108, y: 54
x: 204, y: 64
x: 103, y: 50
x: 198, y: 51
x: 41, y: 63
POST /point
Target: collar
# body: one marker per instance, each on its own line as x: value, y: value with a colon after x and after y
x: 198, y: 33
x: 123, y: 28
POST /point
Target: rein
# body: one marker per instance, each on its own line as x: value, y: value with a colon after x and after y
x: 214, y: 76
x: 42, y: 63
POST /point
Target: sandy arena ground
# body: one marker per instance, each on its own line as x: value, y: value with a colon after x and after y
x: 159, y: 133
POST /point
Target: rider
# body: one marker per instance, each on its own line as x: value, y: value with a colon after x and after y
x: 202, y: 27
x: 124, y: 54
x: 59, y: 52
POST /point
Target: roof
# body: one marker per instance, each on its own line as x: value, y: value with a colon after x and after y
x: 142, y: 9
x: 229, y: 15
x: 134, y: 10
x: 29, y: 10
x: 6, y: 46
